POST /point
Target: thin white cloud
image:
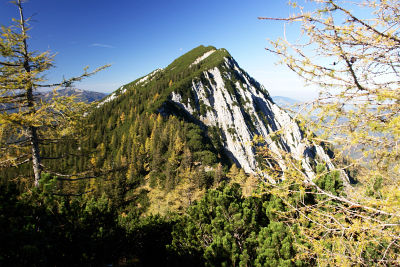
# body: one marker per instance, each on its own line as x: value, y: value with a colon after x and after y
x: 101, y: 45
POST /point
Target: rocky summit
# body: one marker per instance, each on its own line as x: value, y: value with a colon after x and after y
x: 207, y: 86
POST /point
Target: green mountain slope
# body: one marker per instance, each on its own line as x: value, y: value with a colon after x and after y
x: 159, y: 142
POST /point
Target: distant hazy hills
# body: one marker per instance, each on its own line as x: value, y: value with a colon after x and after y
x: 82, y: 95
x: 284, y: 101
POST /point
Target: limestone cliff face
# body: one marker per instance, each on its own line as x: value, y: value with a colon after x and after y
x: 228, y: 98
x: 207, y: 86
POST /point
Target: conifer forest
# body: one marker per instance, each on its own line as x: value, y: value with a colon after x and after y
x: 195, y: 164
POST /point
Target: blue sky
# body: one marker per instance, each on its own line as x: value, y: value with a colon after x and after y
x: 138, y: 36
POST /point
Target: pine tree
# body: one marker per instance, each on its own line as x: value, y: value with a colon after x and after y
x: 228, y: 229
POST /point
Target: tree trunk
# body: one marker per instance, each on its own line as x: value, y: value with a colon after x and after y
x: 32, y: 130
x: 37, y: 169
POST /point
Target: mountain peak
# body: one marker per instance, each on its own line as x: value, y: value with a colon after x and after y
x: 208, y: 55
x: 207, y: 87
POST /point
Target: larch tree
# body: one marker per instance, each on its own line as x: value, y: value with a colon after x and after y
x: 351, y: 51
x: 26, y: 120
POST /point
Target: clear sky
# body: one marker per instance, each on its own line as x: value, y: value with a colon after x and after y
x: 138, y: 36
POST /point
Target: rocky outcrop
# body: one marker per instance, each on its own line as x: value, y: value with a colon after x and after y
x: 227, y: 97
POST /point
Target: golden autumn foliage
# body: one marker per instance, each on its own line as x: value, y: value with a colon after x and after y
x: 27, y: 121
x: 351, y: 51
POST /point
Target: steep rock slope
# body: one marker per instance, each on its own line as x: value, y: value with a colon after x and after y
x: 227, y: 97
x: 206, y: 86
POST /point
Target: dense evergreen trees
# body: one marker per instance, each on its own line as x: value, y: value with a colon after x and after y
x: 223, y: 228
x: 227, y: 229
